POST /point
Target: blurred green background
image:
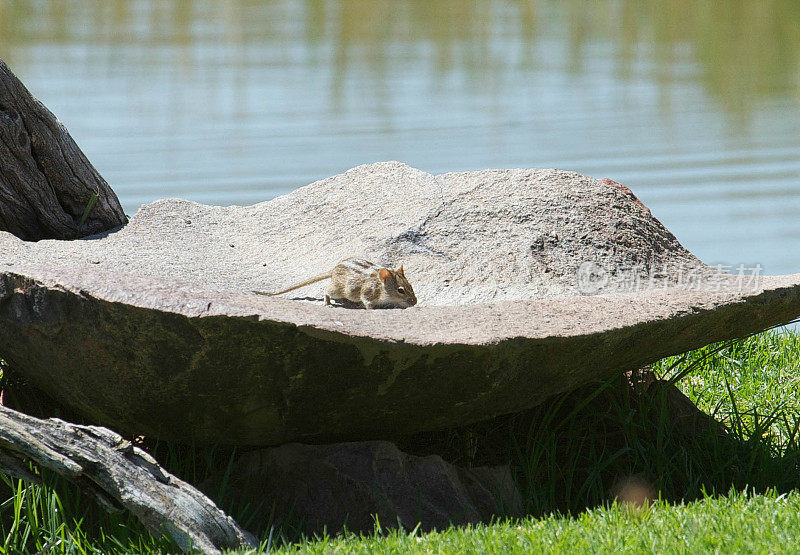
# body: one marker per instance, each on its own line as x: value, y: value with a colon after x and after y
x: 695, y: 105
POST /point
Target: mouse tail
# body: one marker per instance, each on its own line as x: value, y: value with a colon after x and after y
x: 298, y: 286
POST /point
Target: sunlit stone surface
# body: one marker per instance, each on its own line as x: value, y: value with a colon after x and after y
x: 153, y: 329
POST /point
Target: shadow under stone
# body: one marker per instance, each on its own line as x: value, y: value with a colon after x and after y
x: 633, y: 439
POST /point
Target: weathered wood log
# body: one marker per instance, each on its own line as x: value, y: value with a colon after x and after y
x: 119, y: 476
x: 46, y: 182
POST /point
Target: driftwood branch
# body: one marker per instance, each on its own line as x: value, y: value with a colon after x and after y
x: 46, y: 182
x: 119, y: 476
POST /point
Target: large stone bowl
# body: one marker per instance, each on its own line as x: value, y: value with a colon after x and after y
x: 530, y: 283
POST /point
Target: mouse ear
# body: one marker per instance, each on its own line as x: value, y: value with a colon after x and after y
x: 384, y: 274
x: 400, y: 271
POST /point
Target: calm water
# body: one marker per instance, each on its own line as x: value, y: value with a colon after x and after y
x: 695, y: 105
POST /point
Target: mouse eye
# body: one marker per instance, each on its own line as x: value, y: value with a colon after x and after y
x: 401, y: 290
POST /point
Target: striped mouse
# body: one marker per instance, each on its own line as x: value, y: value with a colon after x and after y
x: 359, y: 281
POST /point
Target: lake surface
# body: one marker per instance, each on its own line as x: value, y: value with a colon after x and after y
x: 693, y: 105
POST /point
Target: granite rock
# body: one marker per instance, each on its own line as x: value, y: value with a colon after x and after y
x: 530, y: 283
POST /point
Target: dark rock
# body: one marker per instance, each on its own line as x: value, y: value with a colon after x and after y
x: 318, y: 487
x: 154, y: 330
x: 311, y: 488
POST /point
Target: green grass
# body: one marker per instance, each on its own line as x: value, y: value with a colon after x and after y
x: 738, y: 492
x: 756, y: 377
x: 735, y: 523
x: 55, y: 518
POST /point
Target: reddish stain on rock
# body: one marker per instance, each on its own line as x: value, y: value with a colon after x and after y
x: 624, y: 189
